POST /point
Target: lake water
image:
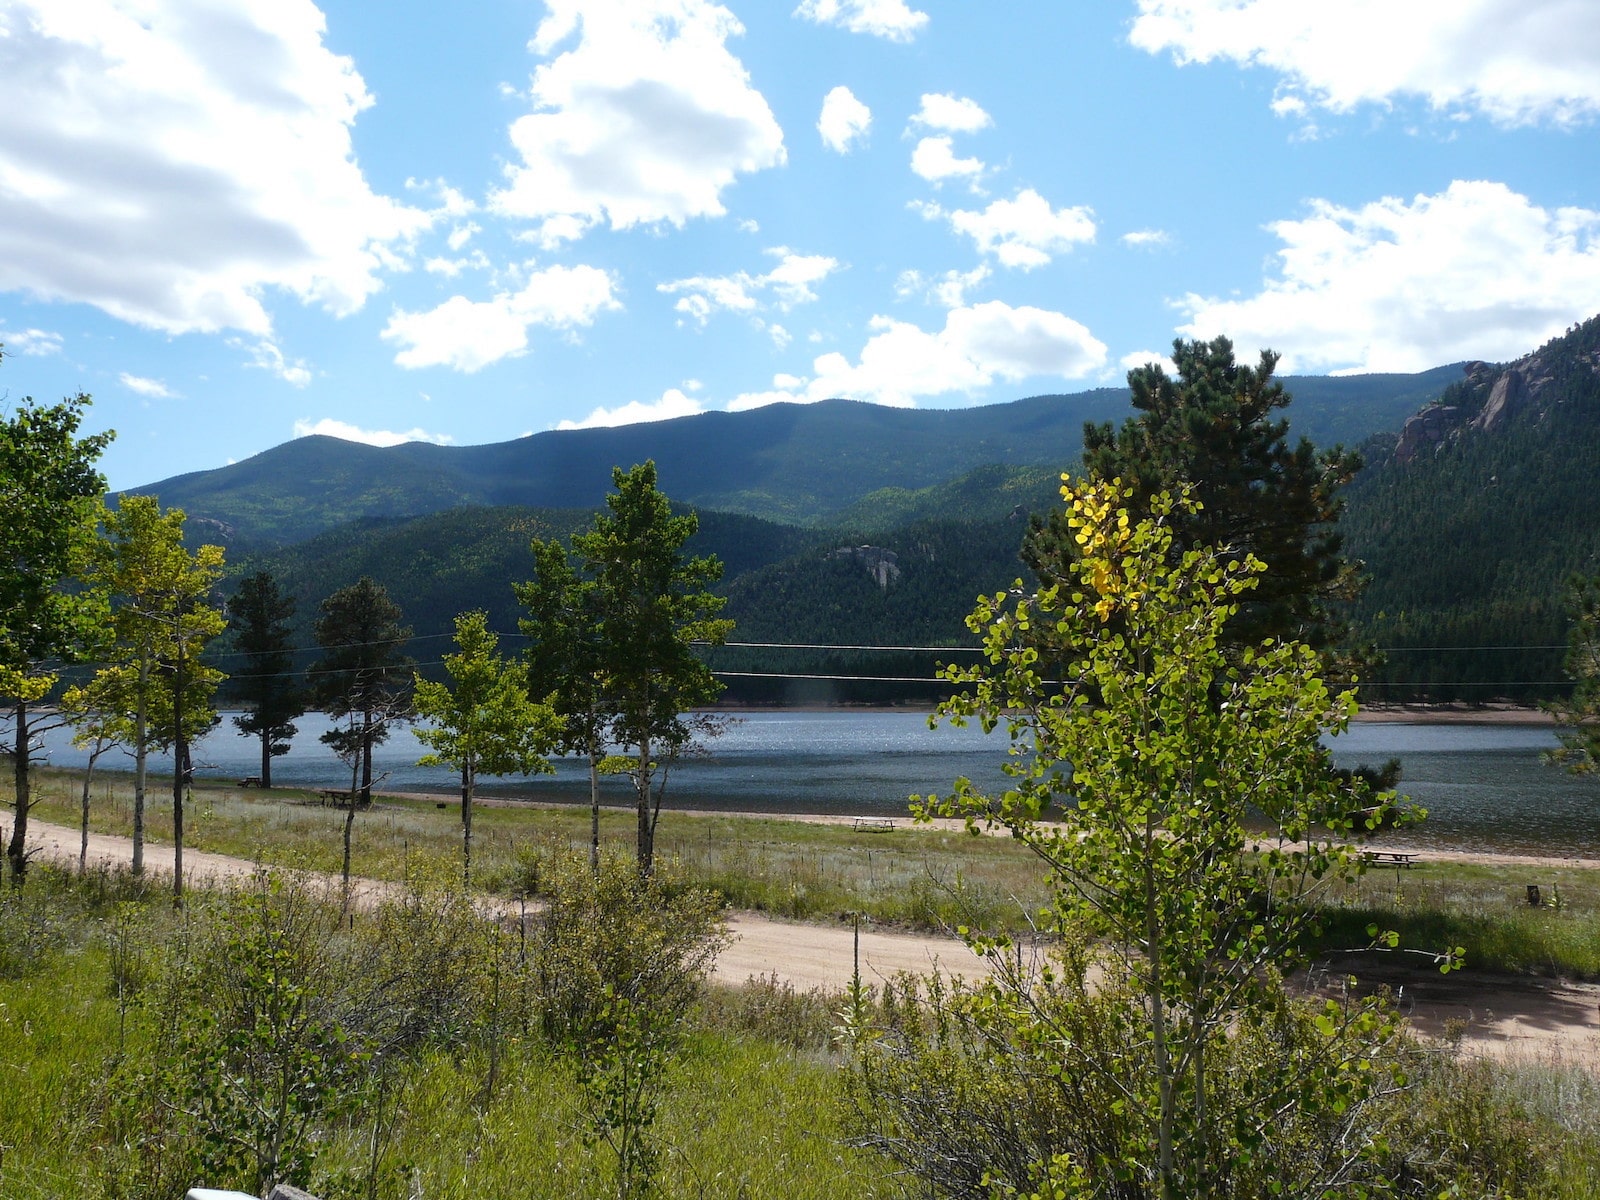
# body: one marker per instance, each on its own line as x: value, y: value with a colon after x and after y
x: 1483, y: 785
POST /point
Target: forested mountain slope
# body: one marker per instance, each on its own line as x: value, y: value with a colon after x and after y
x: 804, y: 464
x: 1471, y: 519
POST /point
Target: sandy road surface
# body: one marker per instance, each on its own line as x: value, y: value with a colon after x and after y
x: 1507, y: 1017
x: 805, y: 955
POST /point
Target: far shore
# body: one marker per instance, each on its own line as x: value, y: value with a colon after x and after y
x: 1396, y: 714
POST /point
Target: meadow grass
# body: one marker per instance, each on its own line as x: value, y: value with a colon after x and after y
x: 915, y: 877
x: 743, y: 1114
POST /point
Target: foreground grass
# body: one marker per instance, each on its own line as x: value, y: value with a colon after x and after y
x: 452, y: 1127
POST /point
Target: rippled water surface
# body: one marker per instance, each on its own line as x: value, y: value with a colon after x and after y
x: 1484, y: 785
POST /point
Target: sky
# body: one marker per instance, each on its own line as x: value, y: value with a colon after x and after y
x: 236, y: 222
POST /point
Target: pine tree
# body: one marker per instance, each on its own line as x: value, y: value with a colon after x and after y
x: 263, y: 675
x: 363, y: 675
x: 1213, y: 429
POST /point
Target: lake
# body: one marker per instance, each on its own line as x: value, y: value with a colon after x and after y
x: 1484, y: 785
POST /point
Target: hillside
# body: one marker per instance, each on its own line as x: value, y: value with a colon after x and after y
x: 1472, y: 517
x: 801, y: 464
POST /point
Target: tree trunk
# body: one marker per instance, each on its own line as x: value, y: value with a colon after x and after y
x: 141, y: 753
x: 350, y: 823
x: 83, y: 825
x: 594, y: 807
x: 366, y: 757
x: 17, y: 851
x: 180, y: 769
x: 647, y: 833
x: 466, y: 824
x: 1167, y: 1118
x: 266, y: 758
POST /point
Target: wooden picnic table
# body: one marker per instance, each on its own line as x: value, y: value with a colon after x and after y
x: 250, y: 781
x: 875, y: 824
x: 1390, y: 858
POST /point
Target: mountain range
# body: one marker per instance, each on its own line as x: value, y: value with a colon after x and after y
x: 850, y: 524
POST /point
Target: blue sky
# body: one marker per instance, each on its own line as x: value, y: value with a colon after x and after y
x: 238, y: 221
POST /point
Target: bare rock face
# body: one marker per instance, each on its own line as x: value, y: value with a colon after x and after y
x: 1426, y: 431
x: 1508, y: 397
x: 883, y: 565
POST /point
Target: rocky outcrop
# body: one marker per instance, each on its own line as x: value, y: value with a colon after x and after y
x: 1426, y: 431
x: 1488, y: 399
x: 883, y: 565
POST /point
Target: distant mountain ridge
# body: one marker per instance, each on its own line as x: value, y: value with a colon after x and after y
x: 1472, y: 517
x: 800, y: 464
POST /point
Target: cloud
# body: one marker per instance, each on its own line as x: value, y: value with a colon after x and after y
x: 1514, y: 61
x: 329, y: 427
x: 152, y: 388
x: 1475, y: 271
x: 673, y: 403
x: 1146, y: 239
x: 34, y: 343
x: 790, y: 284
x: 948, y: 290
x: 1139, y: 358
x: 175, y: 162
x: 952, y: 114
x: 468, y: 335
x: 844, y: 120
x: 934, y: 159
x: 264, y: 355
x: 891, y: 19
x: 1023, y: 233
x: 902, y: 363
x: 645, y: 118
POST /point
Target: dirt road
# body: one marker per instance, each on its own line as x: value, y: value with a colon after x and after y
x: 1507, y: 1017
x: 806, y: 955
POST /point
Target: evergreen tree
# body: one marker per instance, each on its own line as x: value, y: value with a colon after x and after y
x: 363, y: 675
x: 1213, y: 429
x: 258, y: 617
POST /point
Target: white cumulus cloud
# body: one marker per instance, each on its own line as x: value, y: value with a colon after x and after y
x: 645, y: 117
x: 902, y: 363
x: 790, y: 283
x: 1024, y: 233
x: 174, y: 161
x: 948, y: 290
x: 468, y: 335
x: 952, y: 114
x: 891, y: 19
x: 1475, y: 271
x: 673, y: 403
x: 844, y: 120
x: 1515, y: 61
x: 35, y: 343
x: 154, y: 389
x: 935, y: 160
x: 329, y: 427
x: 1146, y: 239
x: 1140, y: 358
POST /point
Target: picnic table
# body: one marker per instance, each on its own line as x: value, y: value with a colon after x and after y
x: 339, y: 796
x: 875, y: 824
x: 250, y: 781
x: 1389, y: 858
